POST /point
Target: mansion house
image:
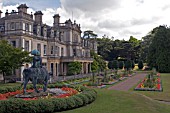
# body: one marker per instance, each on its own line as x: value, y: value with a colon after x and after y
x: 58, y: 44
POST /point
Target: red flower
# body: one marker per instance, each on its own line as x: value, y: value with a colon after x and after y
x: 30, y: 98
x: 2, y: 97
x: 158, y: 80
x: 158, y: 74
x: 63, y: 95
x: 158, y: 86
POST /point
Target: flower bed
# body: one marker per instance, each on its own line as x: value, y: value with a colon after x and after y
x: 72, y: 98
x: 150, y: 83
x: 101, y: 86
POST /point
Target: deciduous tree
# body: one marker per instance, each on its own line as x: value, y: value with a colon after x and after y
x: 11, y: 58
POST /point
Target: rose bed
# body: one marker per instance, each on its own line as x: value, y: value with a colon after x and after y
x: 67, y: 98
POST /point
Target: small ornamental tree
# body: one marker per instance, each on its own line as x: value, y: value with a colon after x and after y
x: 99, y: 60
x: 133, y: 64
x: 140, y: 64
x: 74, y: 67
x: 121, y: 65
x: 128, y: 65
x: 115, y: 64
x: 110, y: 65
x: 94, y: 66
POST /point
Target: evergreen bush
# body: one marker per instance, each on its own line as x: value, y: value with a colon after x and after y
x: 133, y: 64
x: 128, y: 65
x: 115, y: 64
x: 140, y: 64
x: 121, y: 65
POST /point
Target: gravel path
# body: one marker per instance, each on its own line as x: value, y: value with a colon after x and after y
x: 127, y: 84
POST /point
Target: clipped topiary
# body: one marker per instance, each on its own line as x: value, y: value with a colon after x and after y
x: 133, y: 64
x: 70, y: 103
x: 45, y: 105
x: 78, y: 101
x: 140, y: 64
x: 128, y: 65
x: 84, y: 98
x: 115, y: 64
x: 2, y: 106
x: 59, y: 104
x: 121, y: 65
x: 13, y: 106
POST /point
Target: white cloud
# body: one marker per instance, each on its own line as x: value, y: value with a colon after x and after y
x: 118, y: 18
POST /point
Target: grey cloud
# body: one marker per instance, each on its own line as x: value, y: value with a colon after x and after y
x: 140, y: 1
x: 113, y: 24
x: 166, y: 7
x: 90, y: 5
x: 144, y: 21
x: 128, y: 32
x: 140, y: 21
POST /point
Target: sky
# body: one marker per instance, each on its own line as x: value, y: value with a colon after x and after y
x: 113, y: 18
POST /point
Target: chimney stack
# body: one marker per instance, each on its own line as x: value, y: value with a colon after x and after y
x: 22, y: 8
x: 6, y: 14
x: 56, y: 20
x: 0, y: 13
x: 38, y: 17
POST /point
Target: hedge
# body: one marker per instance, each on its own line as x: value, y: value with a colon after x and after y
x: 17, y: 105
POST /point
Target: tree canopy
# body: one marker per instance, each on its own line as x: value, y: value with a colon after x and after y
x: 159, y: 52
x: 113, y: 49
x: 98, y: 62
x: 11, y: 58
x: 74, y: 67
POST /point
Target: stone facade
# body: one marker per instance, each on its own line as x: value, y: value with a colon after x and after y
x: 58, y: 44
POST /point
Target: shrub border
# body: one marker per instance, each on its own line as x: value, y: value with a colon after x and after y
x: 51, y: 105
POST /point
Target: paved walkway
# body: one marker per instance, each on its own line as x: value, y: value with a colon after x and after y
x: 127, y: 84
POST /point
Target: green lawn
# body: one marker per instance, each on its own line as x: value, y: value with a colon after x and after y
x: 9, y: 84
x: 110, y: 101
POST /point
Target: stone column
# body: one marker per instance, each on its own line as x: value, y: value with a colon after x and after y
x: 86, y: 64
x: 54, y: 70
x: 57, y: 70
x: 61, y: 68
x: 65, y: 68
x: 30, y: 45
x: 82, y: 68
x: 89, y: 67
x: 22, y: 68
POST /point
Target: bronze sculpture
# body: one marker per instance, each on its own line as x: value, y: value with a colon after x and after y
x: 36, y: 73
